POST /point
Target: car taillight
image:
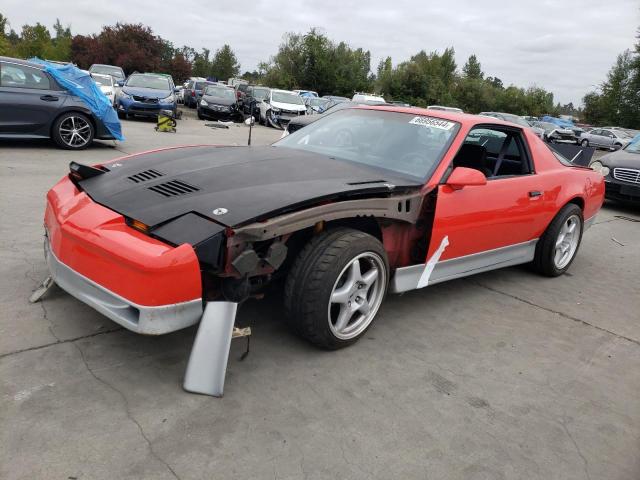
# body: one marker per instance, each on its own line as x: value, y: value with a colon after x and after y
x: 238, y: 94
x: 193, y: 93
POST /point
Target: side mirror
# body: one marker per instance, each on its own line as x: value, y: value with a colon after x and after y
x: 176, y: 90
x: 120, y: 83
x: 266, y: 100
x: 466, y: 177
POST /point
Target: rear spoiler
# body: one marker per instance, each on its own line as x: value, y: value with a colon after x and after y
x: 78, y: 171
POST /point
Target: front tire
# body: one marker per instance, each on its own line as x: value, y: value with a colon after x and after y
x: 584, y: 143
x: 335, y: 287
x: 73, y: 131
x: 558, y: 246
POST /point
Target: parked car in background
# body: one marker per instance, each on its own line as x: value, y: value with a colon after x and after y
x: 280, y: 107
x: 180, y: 94
x: 621, y: 172
x: 316, y: 105
x: 192, y: 90
x: 107, y: 85
x: 605, y: 138
x: 145, y: 94
x: 33, y: 105
x: 336, y: 98
x: 114, y: 71
x: 509, y: 117
x: 240, y: 91
x: 445, y: 109
x: 219, y: 102
x: 254, y: 96
x: 306, y: 93
x: 555, y: 133
x: 367, y: 97
x: 297, y: 123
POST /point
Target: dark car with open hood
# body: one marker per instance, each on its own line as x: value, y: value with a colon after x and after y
x: 362, y: 202
x: 621, y: 172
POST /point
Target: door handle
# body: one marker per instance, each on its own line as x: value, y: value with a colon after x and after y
x: 535, y: 193
x: 49, y: 98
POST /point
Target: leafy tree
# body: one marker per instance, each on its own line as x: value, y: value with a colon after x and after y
x: 34, y: 41
x: 473, y: 69
x: 224, y: 64
x: 5, y: 45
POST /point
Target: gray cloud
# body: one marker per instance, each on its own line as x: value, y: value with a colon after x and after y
x: 566, y: 47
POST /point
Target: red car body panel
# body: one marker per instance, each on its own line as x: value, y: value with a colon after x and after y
x: 97, y: 243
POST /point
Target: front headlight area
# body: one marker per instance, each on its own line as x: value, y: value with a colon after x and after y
x: 600, y: 168
x: 170, y: 99
x: 204, y: 103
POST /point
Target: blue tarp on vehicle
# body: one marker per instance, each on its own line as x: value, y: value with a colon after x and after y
x: 558, y: 121
x: 81, y: 84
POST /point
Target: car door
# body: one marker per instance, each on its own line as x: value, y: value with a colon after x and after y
x: 595, y: 138
x: 478, y: 228
x: 29, y: 99
x: 608, y: 138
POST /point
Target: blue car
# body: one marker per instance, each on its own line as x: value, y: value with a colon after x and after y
x: 146, y: 94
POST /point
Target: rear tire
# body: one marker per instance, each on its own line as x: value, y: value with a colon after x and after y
x: 335, y: 287
x: 558, y: 246
x: 584, y: 143
x: 73, y: 131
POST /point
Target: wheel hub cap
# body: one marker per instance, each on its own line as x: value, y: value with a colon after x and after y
x: 357, y: 295
x: 567, y: 242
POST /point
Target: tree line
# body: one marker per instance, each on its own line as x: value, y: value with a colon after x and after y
x: 617, y: 100
x: 314, y: 61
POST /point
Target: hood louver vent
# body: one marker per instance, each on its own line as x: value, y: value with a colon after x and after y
x: 174, y: 188
x: 146, y: 175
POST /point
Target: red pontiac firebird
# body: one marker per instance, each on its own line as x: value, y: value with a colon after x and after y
x: 361, y: 202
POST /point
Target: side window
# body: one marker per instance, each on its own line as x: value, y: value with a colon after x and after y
x: 496, y: 152
x: 606, y: 133
x: 20, y: 76
x: 596, y: 132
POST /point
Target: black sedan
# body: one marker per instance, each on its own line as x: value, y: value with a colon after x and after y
x: 33, y: 105
x: 621, y: 171
x: 219, y: 102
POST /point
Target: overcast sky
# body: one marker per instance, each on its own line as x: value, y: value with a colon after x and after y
x: 564, y: 46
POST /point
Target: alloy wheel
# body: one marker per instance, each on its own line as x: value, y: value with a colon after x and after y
x: 567, y: 242
x: 356, y: 296
x: 75, y: 131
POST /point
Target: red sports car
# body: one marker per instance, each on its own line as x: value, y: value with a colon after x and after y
x: 360, y: 202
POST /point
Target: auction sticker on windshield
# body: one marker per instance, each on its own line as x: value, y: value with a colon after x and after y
x: 432, y: 122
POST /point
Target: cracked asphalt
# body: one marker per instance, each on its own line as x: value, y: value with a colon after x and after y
x: 504, y: 375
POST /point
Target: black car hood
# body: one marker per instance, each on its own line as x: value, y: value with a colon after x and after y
x: 621, y: 159
x: 219, y: 100
x: 242, y: 184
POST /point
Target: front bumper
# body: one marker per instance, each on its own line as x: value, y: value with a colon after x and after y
x: 146, y: 320
x: 617, y: 190
x: 218, y: 114
x: 132, y: 107
x: 137, y: 281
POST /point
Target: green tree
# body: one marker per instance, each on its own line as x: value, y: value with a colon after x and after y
x: 5, y: 45
x: 473, y: 69
x: 225, y: 63
x: 34, y: 41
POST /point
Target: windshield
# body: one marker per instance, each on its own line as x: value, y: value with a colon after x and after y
x: 404, y: 143
x: 260, y: 93
x: 286, y: 97
x: 107, y: 70
x: 220, y: 92
x: 104, y: 81
x: 634, y: 145
x: 148, y: 81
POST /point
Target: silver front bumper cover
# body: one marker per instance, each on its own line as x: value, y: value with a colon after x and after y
x: 145, y: 320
